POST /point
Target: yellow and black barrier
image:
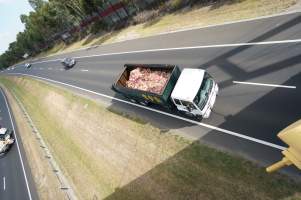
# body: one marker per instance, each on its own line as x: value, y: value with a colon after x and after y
x: 291, y: 135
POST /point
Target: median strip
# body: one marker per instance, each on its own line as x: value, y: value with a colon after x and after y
x: 56, y: 169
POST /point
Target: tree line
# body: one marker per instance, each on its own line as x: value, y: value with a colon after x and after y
x: 53, y: 19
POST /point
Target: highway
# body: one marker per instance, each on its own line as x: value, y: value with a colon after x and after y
x: 15, y: 177
x: 265, y: 52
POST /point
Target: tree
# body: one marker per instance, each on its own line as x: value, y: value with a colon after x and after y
x: 36, y: 4
x: 51, y: 18
x: 90, y: 6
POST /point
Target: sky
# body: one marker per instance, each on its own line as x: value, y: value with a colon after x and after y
x: 10, y: 23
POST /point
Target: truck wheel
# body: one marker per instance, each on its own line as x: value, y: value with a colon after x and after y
x: 190, y: 115
x: 199, y: 117
x: 187, y: 114
x: 144, y: 103
x: 133, y: 100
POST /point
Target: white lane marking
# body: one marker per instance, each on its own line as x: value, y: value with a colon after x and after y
x: 47, y: 61
x: 195, y: 47
x: 4, y: 186
x: 84, y: 70
x: 41, y: 68
x: 264, y: 84
x: 182, y: 30
x: 164, y: 113
x: 19, y: 152
x: 186, y: 48
x: 61, y: 69
x: 49, y: 68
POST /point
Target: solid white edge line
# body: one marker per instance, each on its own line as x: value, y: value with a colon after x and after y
x: 184, y: 48
x: 4, y: 184
x: 164, y: 113
x: 20, y: 155
x: 183, y: 30
x: 264, y: 84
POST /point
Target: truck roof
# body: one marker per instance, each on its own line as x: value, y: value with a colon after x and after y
x: 188, y: 84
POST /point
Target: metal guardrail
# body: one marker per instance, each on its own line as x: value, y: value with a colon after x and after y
x: 64, y: 184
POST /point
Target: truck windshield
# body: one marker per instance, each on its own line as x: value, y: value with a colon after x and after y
x: 203, y: 94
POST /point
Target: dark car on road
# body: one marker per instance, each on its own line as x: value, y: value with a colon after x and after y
x: 68, y: 62
x: 27, y: 65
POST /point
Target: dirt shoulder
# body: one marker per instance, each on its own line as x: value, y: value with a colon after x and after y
x: 107, y: 156
x: 195, y: 17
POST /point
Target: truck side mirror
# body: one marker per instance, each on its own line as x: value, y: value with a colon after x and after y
x: 291, y: 135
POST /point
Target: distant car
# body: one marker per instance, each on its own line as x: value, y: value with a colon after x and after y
x: 68, y: 62
x: 6, y: 140
x: 27, y: 65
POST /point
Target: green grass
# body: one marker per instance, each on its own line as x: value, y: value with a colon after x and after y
x: 57, y: 48
x: 65, y: 149
x: 181, y: 169
x: 199, y: 172
x: 131, y: 116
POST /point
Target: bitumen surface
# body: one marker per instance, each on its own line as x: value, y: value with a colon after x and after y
x: 255, y: 111
x: 15, y: 177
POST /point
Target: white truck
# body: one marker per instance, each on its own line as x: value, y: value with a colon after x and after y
x: 195, y: 92
x: 6, y: 140
x: 191, y: 91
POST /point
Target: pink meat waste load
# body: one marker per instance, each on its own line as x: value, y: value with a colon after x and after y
x: 148, y: 80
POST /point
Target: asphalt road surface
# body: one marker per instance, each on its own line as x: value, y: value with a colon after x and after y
x: 239, y: 52
x: 15, y: 178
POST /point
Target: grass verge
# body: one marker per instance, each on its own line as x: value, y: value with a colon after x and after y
x: 107, y: 156
x: 225, y: 11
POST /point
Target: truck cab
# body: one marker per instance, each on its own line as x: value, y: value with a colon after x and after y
x: 6, y: 140
x: 195, y: 93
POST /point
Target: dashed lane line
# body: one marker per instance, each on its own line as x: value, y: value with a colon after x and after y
x: 264, y: 84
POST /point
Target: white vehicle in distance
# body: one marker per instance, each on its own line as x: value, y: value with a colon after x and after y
x: 6, y: 140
